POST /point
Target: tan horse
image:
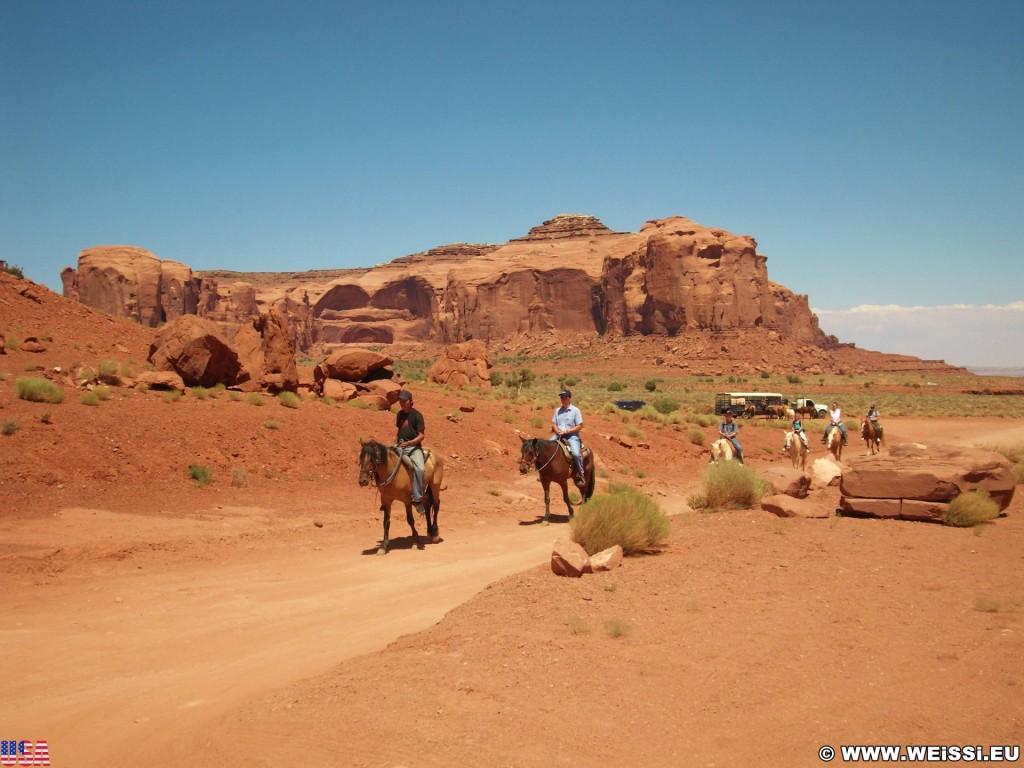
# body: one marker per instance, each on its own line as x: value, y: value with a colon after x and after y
x: 834, y: 442
x: 554, y: 464
x: 380, y: 466
x: 872, y: 435
x: 796, y: 449
x: 776, y: 411
x: 722, y: 450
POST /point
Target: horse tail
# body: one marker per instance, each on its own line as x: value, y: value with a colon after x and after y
x: 588, y: 491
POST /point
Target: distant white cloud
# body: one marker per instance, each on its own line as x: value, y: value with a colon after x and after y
x: 961, y: 334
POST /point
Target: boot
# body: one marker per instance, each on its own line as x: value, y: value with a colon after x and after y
x: 580, y: 480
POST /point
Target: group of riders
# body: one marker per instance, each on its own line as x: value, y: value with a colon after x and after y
x: 566, y: 424
x: 729, y: 430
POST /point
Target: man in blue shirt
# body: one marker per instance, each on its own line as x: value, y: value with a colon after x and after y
x: 566, y: 424
x: 729, y: 431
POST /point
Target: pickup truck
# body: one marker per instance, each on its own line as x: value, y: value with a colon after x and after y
x: 806, y: 407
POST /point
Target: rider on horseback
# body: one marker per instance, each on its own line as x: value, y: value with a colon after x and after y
x: 835, y: 420
x: 872, y: 416
x: 566, y: 424
x: 798, y: 430
x: 410, y: 439
x: 729, y: 431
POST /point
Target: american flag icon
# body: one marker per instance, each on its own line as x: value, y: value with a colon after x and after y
x: 24, y: 753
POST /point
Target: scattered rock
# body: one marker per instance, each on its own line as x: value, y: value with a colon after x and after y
x: 568, y: 559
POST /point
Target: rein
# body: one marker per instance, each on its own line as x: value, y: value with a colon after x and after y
x: 536, y: 458
x: 377, y: 462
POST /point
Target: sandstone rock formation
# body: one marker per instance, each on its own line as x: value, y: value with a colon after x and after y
x: 673, y: 279
x: 463, y: 365
x: 124, y: 281
x: 569, y: 559
x: 916, y: 482
x: 267, y: 354
x: 788, y: 481
x: 358, y: 374
x: 195, y: 349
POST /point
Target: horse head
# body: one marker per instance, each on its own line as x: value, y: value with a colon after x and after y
x: 528, y: 455
x: 371, y: 455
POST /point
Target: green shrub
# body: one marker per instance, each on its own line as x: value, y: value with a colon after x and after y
x: 202, y: 475
x: 794, y: 379
x: 651, y: 385
x: 86, y: 375
x: 14, y: 269
x: 765, y: 375
x: 615, y: 387
x: 237, y: 477
x: 623, y: 516
x: 255, y: 398
x: 288, y: 399
x: 102, y: 392
x: 38, y: 390
x: 88, y: 398
x: 10, y: 427
x: 731, y: 485
x: 200, y: 392
x: 697, y: 436
x: 970, y: 508
x: 108, y: 372
x: 666, y: 405
x: 270, y: 424
x: 171, y: 396
x: 496, y: 379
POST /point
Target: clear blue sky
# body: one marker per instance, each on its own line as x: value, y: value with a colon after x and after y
x: 874, y: 149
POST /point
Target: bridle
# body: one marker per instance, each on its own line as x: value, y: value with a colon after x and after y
x: 535, y: 456
x: 377, y: 454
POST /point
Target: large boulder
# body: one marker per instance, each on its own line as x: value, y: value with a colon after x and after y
x: 787, y: 506
x: 195, y: 349
x: 787, y: 480
x: 916, y: 481
x: 267, y: 354
x: 463, y: 365
x: 569, y: 559
x: 353, y: 364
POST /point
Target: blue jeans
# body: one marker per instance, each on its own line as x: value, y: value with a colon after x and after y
x: 573, y: 441
x: 415, y: 455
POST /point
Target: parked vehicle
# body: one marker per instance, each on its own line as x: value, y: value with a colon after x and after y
x: 630, y: 405
x: 747, y: 404
x: 804, y: 406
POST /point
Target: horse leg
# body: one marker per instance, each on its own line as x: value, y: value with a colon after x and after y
x: 547, y: 501
x: 412, y: 524
x: 433, y: 504
x: 385, y: 507
x: 565, y: 497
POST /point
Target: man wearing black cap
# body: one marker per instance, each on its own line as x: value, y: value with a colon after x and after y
x: 566, y: 424
x: 410, y: 439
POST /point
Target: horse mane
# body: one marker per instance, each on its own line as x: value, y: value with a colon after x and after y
x: 378, y: 452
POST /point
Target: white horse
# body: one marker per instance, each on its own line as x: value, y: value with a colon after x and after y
x: 722, y: 450
x: 790, y: 414
x: 797, y: 450
x: 834, y: 442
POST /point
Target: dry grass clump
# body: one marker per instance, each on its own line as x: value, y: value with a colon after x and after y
x: 623, y: 516
x: 38, y: 390
x: 289, y: 399
x: 730, y: 485
x: 971, y: 508
x: 697, y: 436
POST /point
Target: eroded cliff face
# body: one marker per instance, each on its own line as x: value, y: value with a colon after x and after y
x: 571, y: 273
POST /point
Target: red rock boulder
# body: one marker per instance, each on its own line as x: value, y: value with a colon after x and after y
x: 195, y: 349
x: 267, y: 354
x: 463, y: 365
x: 915, y: 482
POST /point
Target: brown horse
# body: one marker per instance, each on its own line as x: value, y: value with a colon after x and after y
x: 796, y: 449
x: 381, y: 467
x: 806, y: 410
x: 834, y: 442
x: 872, y: 435
x: 776, y: 411
x: 554, y: 465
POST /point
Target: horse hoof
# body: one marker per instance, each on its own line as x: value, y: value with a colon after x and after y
x: 543, y: 522
x: 382, y: 551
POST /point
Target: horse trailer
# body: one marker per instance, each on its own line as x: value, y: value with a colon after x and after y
x: 747, y: 404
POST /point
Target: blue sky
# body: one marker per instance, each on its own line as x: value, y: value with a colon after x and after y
x: 873, y: 149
